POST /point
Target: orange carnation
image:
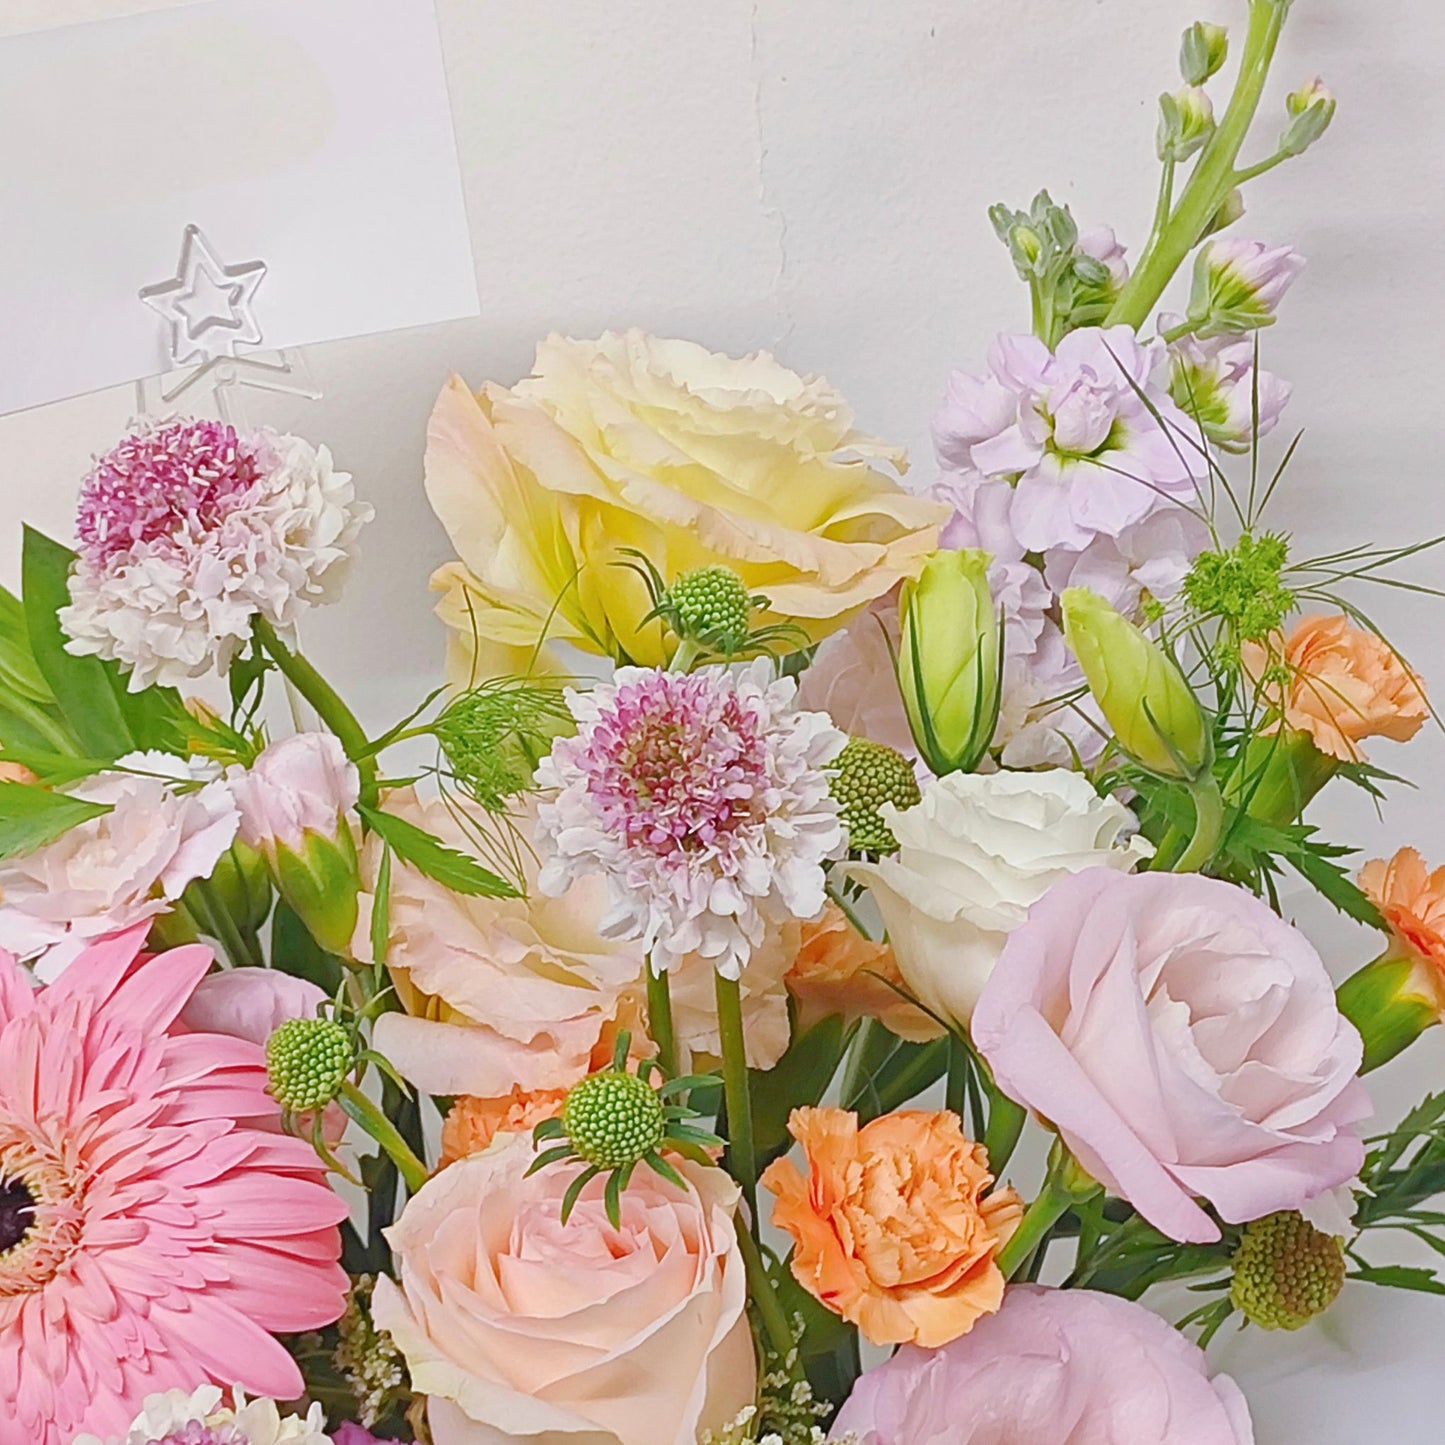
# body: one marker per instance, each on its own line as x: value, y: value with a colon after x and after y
x: 895, y: 1227
x: 472, y: 1123
x: 838, y: 971
x: 1344, y: 684
x: 1412, y: 901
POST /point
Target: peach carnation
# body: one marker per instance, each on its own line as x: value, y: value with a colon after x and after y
x: 1411, y: 900
x: 1344, y: 684
x: 895, y: 1225
x: 838, y: 971
x: 472, y: 1123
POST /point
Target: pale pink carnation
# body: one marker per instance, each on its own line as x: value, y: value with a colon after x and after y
x: 126, y: 866
x: 1184, y: 1041
x: 188, y: 532
x: 158, y: 1228
x: 1051, y: 1366
x: 703, y: 801
x: 301, y: 785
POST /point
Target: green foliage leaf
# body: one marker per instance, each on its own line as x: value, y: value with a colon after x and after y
x: 885, y: 1072
x: 295, y: 951
x: 31, y: 817
x: 427, y: 854
x: 1401, y: 1276
x: 799, y: 1078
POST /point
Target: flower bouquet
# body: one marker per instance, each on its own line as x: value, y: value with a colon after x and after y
x: 817, y: 966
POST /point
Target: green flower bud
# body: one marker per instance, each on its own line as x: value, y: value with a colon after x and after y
x: 1392, y: 1002
x: 1286, y: 1272
x: 711, y: 605
x: 308, y: 1061
x: 242, y: 885
x: 1140, y: 689
x: 950, y: 660
x: 612, y: 1119
x: 1202, y: 52
x: 1186, y: 122
x: 321, y: 882
x: 869, y: 775
x: 1231, y: 210
x: 1312, y: 107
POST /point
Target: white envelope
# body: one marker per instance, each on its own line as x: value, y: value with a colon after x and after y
x: 312, y: 135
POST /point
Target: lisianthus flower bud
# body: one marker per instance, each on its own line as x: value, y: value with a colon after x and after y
x: 950, y: 660
x: 1238, y: 286
x: 1312, y: 107
x: 1140, y: 689
x: 295, y: 804
x: 1202, y: 52
x: 1186, y: 122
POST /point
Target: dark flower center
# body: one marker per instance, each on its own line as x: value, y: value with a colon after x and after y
x: 17, y: 1213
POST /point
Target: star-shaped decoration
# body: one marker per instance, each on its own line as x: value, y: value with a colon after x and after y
x: 208, y: 307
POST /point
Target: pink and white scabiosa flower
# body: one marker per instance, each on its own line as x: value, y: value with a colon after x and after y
x: 702, y: 799
x: 157, y: 1227
x: 203, y: 1418
x: 189, y: 531
x: 127, y: 866
x: 1073, y: 433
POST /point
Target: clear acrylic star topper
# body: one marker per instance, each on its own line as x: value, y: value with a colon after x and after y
x: 209, y: 309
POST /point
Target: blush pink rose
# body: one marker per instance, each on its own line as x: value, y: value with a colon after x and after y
x: 1051, y: 1366
x: 520, y: 1328
x: 1184, y: 1041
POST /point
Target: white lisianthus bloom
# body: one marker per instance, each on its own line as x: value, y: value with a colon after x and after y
x: 974, y: 856
x: 205, y: 1417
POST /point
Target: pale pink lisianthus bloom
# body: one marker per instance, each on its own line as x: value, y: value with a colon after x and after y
x: 517, y: 1326
x: 114, y: 871
x: 1060, y: 1366
x: 159, y: 1230
x: 301, y: 785
x: 496, y: 993
x: 1184, y: 1041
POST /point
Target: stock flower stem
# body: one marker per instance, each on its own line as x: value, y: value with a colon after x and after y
x: 1214, y: 176
x: 326, y: 701
x: 659, y: 1020
x: 360, y: 1108
x: 742, y: 1154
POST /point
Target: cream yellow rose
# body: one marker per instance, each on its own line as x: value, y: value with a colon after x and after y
x: 688, y: 456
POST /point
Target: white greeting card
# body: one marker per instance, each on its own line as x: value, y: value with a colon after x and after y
x: 309, y: 142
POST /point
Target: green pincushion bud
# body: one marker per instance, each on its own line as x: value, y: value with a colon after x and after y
x: 1140, y: 689
x: 869, y: 775
x: 711, y: 605
x: 613, y: 1119
x: 1286, y: 1272
x: 308, y: 1061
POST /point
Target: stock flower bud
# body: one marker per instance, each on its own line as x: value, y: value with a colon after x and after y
x: 295, y: 806
x: 1311, y: 108
x: 1139, y: 688
x: 950, y: 660
x: 1238, y: 286
x: 1231, y: 209
x: 1186, y: 122
x: 1202, y: 52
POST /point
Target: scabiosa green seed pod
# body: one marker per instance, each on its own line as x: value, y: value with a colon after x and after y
x: 307, y: 1061
x: 868, y: 775
x: 1286, y: 1271
x: 612, y: 1119
x: 711, y: 605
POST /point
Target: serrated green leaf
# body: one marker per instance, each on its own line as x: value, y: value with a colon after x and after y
x: 1401, y: 1276
x: 427, y: 854
x: 31, y: 817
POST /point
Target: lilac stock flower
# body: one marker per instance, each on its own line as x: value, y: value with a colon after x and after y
x: 1213, y: 381
x: 1149, y: 559
x: 1074, y: 432
x: 1238, y: 285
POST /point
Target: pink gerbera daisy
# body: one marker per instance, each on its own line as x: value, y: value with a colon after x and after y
x: 155, y: 1226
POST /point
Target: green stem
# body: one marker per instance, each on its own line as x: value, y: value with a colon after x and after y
x: 1214, y: 175
x: 1250, y: 173
x: 686, y: 656
x: 742, y: 1155
x: 848, y: 911
x: 659, y: 1021
x: 359, y: 1107
x: 226, y: 931
x: 326, y: 702
x: 1039, y: 1219
x: 1164, y: 207
x: 960, y: 1066
x: 1177, y: 333
x: 765, y: 1296
x: 1208, y: 825
x: 1006, y: 1122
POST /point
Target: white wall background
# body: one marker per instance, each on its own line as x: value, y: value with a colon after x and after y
x: 811, y: 176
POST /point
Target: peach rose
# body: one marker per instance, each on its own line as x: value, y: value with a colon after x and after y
x: 518, y: 1327
x: 691, y: 457
x: 1411, y: 900
x: 496, y: 993
x: 1345, y: 684
x: 838, y: 971
x: 895, y: 1225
